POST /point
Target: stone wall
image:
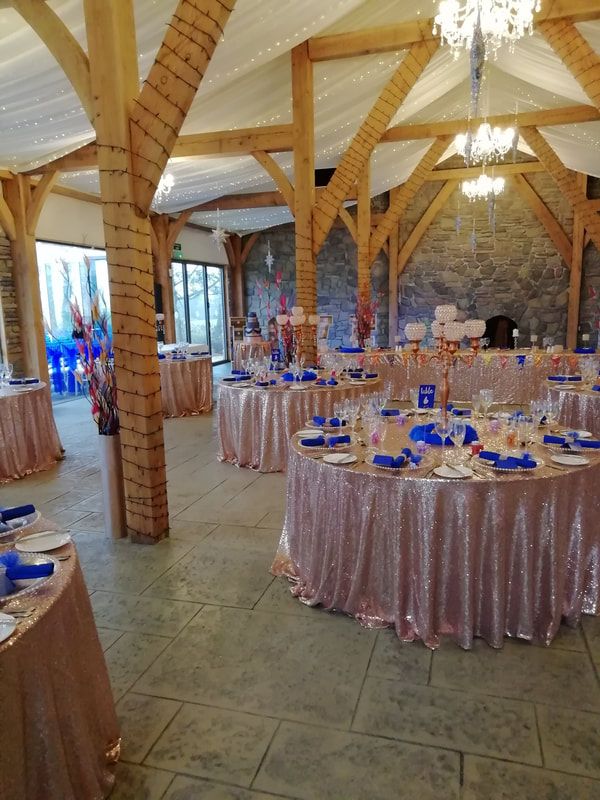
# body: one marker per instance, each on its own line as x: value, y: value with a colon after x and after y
x: 336, y: 284
x: 8, y: 308
x: 516, y: 271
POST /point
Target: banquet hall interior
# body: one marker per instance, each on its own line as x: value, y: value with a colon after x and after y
x: 300, y: 399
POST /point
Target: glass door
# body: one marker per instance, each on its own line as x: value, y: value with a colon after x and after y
x: 199, y: 306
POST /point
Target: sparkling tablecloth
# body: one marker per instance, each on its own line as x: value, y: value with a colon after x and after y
x: 255, y: 425
x: 29, y: 441
x: 186, y: 385
x: 59, y: 735
x: 578, y: 408
x: 515, y: 376
x: 507, y: 555
x: 243, y: 350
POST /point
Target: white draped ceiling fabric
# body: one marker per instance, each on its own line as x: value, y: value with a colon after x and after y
x: 248, y: 83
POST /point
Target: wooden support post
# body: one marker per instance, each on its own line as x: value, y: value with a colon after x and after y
x: 576, y: 269
x: 393, y: 284
x: 26, y: 278
x: 113, y: 61
x: 363, y: 232
x: 304, y: 194
x: 161, y: 256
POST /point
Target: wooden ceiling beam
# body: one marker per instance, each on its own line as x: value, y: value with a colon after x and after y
x: 235, y: 202
x: 400, y: 199
x: 281, y: 180
x: 242, y: 141
x: 358, y: 153
x: 576, y: 54
x: 461, y: 173
x: 566, y: 181
x: 7, y: 220
x: 389, y: 38
x: 546, y: 217
x: 566, y: 115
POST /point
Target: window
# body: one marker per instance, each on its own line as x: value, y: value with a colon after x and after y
x: 199, y: 306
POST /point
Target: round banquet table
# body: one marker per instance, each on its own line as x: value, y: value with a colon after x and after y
x: 254, y: 425
x: 59, y: 737
x: 515, y: 376
x: 29, y: 441
x: 186, y: 385
x: 509, y: 554
x: 243, y: 350
x: 578, y: 408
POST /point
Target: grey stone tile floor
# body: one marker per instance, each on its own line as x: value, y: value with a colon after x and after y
x: 228, y: 688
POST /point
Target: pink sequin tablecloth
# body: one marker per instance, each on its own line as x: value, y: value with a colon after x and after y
x: 255, y: 425
x: 578, y: 408
x: 484, y: 557
x: 242, y: 350
x: 29, y: 441
x: 186, y: 385
x: 514, y: 376
x: 59, y: 736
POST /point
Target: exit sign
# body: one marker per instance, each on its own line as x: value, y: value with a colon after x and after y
x: 177, y: 251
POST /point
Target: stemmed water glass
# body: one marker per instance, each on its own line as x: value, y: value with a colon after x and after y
x: 486, y: 397
x: 525, y: 429
x: 414, y: 397
x: 442, y: 428
x: 476, y: 403
x: 588, y: 369
x: 457, y: 433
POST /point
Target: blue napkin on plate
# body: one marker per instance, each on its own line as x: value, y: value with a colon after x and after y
x: 584, y: 350
x: 355, y: 369
x: 333, y: 422
x: 7, y: 514
x: 596, y: 388
x: 332, y: 382
x: 371, y: 375
x: 161, y: 356
x: 461, y: 412
x: 382, y: 460
x: 342, y: 439
x: 265, y: 383
x: 594, y: 444
x: 489, y: 455
x: 564, y: 378
x: 23, y: 572
x: 315, y: 441
x: 551, y: 439
x: 243, y: 377
x: 238, y: 372
x: 390, y: 412
x: 426, y: 433
x: 352, y: 349
x: 355, y: 374
x: 30, y: 381
x: 309, y: 375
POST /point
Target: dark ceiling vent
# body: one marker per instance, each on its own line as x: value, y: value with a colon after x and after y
x: 322, y: 177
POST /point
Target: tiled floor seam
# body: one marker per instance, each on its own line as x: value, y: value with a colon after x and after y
x: 549, y: 770
x: 539, y: 735
x: 264, y: 755
x: 142, y: 762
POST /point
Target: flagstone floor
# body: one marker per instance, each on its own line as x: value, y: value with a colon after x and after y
x: 229, y: 689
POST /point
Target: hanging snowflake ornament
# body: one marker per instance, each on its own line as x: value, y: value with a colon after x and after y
x: 269, y: 258
x: 219, y: 235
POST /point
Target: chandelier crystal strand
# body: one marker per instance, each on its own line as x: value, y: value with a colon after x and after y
x: 163, y: 190
x: 501, y: 21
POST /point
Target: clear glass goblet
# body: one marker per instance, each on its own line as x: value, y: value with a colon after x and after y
x: 486, y: 399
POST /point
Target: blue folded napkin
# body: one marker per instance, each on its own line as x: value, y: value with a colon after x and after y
x: 514, y: 462
x: 333, y: 422
x: 161, y: 356
x: 7, y: 514
x: 22, y: 572
x: 461, y: 412
x: 342, y: 439
x: 390, y: 412
x: 371, y: 375
x: 426, y: 433
x: 332, y: 382
x: 321, y: 382
x: 564, y: 378
x: 315, y: 441
x: 352, y: 349
x: 596, y: 388
x: 238, y: 372
x: 489, y: 455
x: 355, y: 374
x: 594, y: 444
x: 262, y: 383
x: 551, y: 439
x: 309, y: 375
x: 584, y: 350
x: 243, y: 377
x: 29, y: 381
x: 355, y: 369
x: 382, y: 460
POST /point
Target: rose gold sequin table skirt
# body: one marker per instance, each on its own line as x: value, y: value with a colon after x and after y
x: 500, y: 371
x: 578, y: 408
x: 242, y: 350
x: 507, y: 556
x: 254, y: 425
x: 186, y: 385
x: 59, y: 734
x: 29, y: 441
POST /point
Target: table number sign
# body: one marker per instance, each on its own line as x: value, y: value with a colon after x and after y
x: 426, y: 395
x: 275, y: 355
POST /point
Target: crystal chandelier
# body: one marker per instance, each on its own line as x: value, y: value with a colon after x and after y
x: 488, y: 144
x: 500, y: 21
x: 483, y: 188
x: 163, y: 190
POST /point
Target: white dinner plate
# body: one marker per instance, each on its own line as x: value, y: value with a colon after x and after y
x: 446, y: 471
x: 7, y: 626
x: 571, y: 460
x: 340, y: 458
x: 42, y: 542
x: 580, y: 434
x: 422, y: 410
x: 309, y: 432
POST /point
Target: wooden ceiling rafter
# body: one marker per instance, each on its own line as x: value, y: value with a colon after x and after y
x: 576, y: 54
x: 389, y: 38
x: 553, y: 228
x: 402, y: 197
x: 358, y: 153
x: 281, y: 180
x: 461, y: 173
x: 7, y: 220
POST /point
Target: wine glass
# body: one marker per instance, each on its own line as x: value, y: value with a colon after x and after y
x: 457, y: 433
x: 551, y: 411
x: 414, y: 397
x: 486, y: 398
x: 476, y: 404
x: 352, y: 409
x: 588, y: 369
x: 442, y: 428
x: 525, y: 429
